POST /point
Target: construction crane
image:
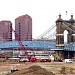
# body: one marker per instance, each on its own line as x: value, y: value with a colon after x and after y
x: 21, y: 45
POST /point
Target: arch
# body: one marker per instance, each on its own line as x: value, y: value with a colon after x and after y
x: 61, y: 26
x: 65, y: 36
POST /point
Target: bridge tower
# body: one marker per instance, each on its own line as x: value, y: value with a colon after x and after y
x: 59, y: 32
x: 61, y: 26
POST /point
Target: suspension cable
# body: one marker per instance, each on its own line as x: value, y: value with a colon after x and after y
x: 53, y: 34
x: 68, y: 26
x: 51, y: 28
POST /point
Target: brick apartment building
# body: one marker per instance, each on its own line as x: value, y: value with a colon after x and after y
x: 23, y: 28
x: 5, y: 31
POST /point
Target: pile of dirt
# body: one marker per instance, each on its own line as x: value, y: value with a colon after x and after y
x: 66, y: 70
x: 33, y: 70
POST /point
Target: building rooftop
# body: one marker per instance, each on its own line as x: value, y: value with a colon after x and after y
x: 29, y: 45
x: 23, y: 16
x: 70, y: 46
x: 49, y: 45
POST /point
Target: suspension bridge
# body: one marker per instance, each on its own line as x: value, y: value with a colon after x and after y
x: 51, y: 39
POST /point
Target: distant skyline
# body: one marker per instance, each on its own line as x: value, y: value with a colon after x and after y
x: 43, y: 12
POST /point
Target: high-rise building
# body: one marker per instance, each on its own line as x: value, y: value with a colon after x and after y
x: 23, y: 28
x: 5, y: 31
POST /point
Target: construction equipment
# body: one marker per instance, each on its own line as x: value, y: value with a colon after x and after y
x: 21, y: 45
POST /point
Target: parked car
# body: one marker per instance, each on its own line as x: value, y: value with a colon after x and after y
x: 33, y: 59
x: 24, y: 60
x: 13, y: 59
x: 45, y: 59
x: 68, y: 61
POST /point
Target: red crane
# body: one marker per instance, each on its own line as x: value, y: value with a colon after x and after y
x: 22, y: 46
x: 20, y: 42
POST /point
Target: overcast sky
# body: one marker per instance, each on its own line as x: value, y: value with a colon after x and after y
x: 43, y: 12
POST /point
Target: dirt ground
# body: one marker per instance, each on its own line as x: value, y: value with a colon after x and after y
x: 59, y: 68
x: 50, y: 68
x: 33, y: 70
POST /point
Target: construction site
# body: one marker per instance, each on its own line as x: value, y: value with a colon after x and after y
x: 45, y: 55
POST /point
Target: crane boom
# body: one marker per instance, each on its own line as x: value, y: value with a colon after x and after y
x: 20, y: 43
